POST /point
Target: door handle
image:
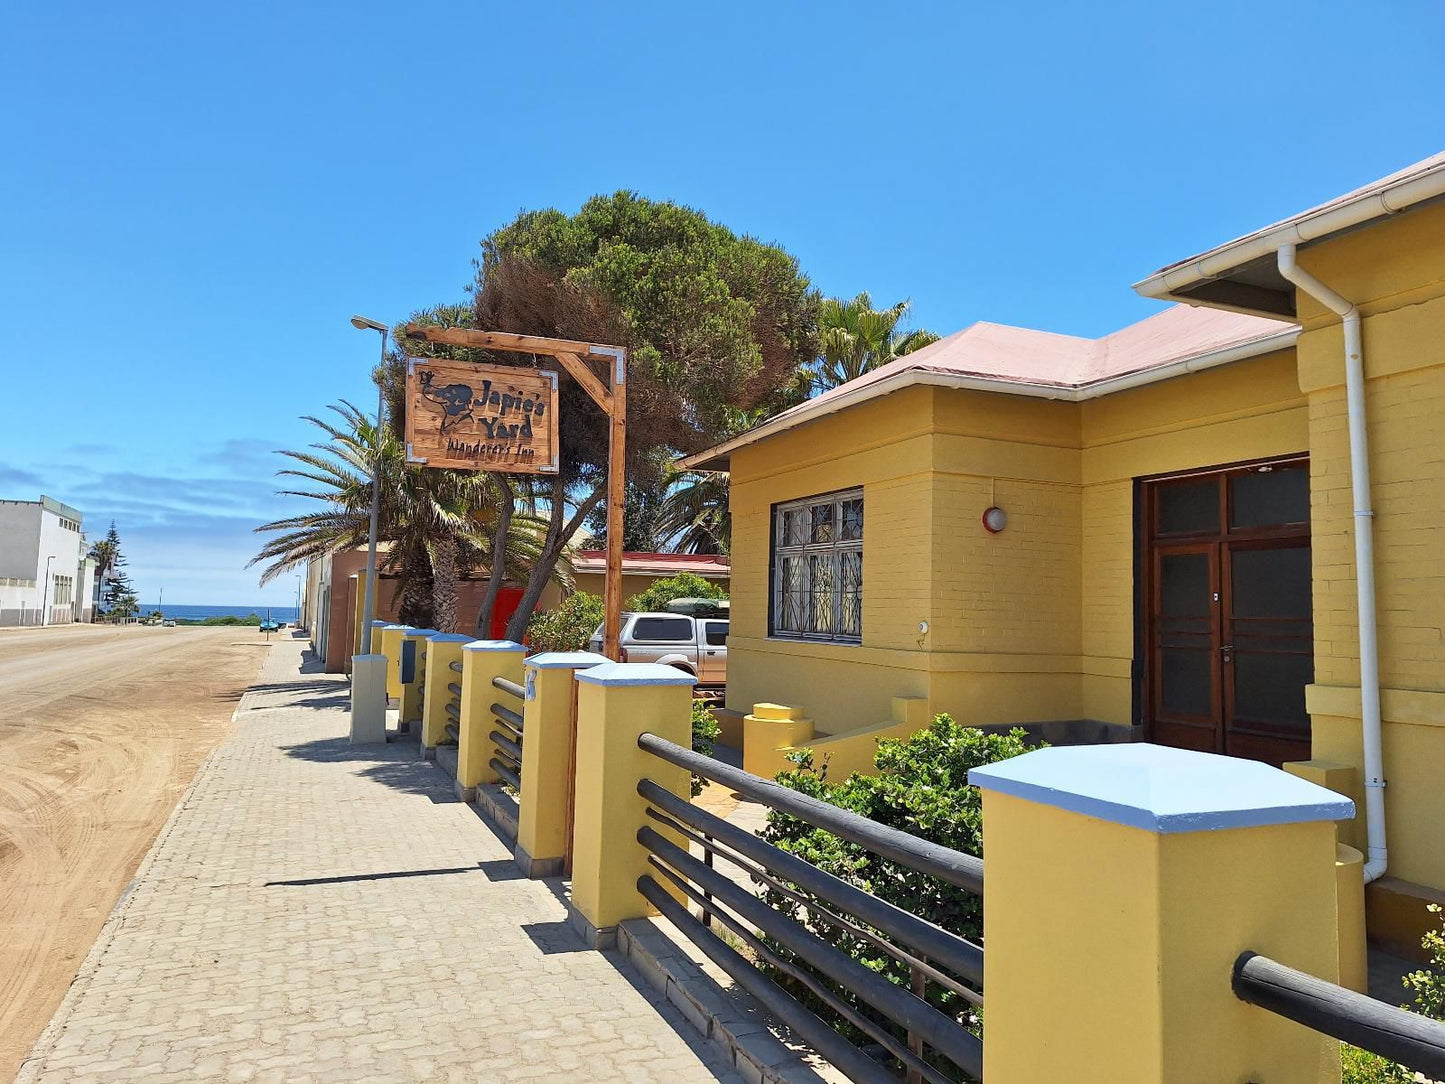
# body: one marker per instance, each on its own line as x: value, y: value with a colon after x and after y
x: 1228, y: 651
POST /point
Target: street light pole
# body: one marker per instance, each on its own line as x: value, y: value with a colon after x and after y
x: 45, y: 594
x: 368, y: 671
x: 361, y: 323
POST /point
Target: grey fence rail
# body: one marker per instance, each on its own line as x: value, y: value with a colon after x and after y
x: 1412, y: 1040
x: 506, y: 737
x: 839, y: 986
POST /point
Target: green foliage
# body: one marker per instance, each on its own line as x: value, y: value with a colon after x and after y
x: 921, y: 788
x: 855, y: 338
x: 251, y: 620
x: 705, y: 733
x: 683, y: 585
x: 569, y: 626
x: 1428, y: 985
x: 713, y: 320
x: 1361, y: 1067
x: 120, y: 602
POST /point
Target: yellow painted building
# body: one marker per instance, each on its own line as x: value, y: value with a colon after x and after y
x: 1146, y: 536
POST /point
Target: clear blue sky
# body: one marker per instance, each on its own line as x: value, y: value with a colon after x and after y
x: 195, y: 197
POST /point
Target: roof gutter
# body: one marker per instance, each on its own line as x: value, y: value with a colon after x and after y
x: 1069, y: 393
x: 1364, y: 521
x: 1388, y: 201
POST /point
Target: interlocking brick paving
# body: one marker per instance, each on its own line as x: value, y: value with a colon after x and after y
x: 318, y: 912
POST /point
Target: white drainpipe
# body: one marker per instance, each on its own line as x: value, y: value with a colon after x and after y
x: 1378, y: 856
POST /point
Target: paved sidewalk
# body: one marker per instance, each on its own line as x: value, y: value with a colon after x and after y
x: 314, y: 912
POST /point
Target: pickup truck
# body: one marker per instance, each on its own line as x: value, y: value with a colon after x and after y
x: 698, y: 645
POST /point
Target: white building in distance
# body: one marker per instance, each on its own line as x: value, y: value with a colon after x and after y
x: 46, y: 574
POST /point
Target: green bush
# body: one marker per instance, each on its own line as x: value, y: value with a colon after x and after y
x: 1428, y: 985
x: 921, y: 788
x: 683, y: 585
x: 1361, y: 1067
x: 568, y: 627
x: 705, y: 732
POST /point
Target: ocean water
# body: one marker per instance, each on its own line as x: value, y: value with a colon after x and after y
x: 200, y: 613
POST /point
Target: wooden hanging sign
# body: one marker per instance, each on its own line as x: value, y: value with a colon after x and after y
x: 481, y: 417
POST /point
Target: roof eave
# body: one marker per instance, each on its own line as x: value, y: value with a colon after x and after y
x: 1172, y: 283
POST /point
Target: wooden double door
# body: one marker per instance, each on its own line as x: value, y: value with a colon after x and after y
x: 1227, y: 621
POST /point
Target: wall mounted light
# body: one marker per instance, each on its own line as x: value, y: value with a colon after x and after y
x: 995, y: 519
x: 923, y: 628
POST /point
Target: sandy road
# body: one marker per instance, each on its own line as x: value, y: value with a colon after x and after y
x: 101, y: 729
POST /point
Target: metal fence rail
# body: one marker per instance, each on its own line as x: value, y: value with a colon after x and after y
x: 507, y: 737
x: 1412, y: 1040
x: 864, y: 998
x: 954, y: 867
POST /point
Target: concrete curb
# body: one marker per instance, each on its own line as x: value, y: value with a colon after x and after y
x: 729, y: 1018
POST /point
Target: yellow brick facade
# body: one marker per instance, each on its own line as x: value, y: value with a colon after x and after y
x: 1039, y: 623
x: 1033, y: 624
x: 1395, y: 273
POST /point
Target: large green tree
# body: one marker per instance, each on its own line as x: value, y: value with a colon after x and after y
x: 712, y: 321
x: 855, y: 338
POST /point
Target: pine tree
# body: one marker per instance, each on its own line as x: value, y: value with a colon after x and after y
x: 118, y: 599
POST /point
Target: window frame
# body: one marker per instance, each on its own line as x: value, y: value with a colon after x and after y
x: 678, y: 620
x: 781, y: 549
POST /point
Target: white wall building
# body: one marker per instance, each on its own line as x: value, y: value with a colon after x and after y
x: 46, y: 577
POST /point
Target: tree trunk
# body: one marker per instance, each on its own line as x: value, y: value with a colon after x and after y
x: 558, y: 532
x: 444, y: 582
x: 498, y: 572
x: 412, y: 593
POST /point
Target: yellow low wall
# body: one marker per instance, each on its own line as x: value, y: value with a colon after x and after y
x: 774, y: 731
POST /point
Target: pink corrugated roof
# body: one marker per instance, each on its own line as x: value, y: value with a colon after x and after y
x: 1000, y: 352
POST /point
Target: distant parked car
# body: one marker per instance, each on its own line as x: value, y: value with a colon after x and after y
x: 168, y: 623
x: 698, y: 645
x: 272, y: 626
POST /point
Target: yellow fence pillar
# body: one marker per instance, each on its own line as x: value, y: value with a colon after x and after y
x: 482, y: 660
x: 443, y: 649
x: 413, y: 686
x: 1121, y: 884
x: 616, y: 702
x: 390, y: 646
x: 550, y: 719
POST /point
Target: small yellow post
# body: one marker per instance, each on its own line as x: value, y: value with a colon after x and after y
x: 390, y: 646
x: 482, y: 660
x: 550, y: 719
x: 442, y: 650
x: 769, y: 733
x: 412, y: 692
x: 1121, y: 884
x: 617, y: 702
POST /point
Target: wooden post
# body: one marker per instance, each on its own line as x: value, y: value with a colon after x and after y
x: 616, y: 504
x: 611, y: 397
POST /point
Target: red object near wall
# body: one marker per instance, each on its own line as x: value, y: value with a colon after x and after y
x: 508, y: 599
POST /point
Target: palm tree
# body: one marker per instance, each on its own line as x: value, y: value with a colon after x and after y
x: 439, y: 523
x: 694, y: 514
x: 854, y: 338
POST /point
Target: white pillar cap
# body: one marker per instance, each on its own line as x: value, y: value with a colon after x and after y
x: 494, y: 645
x: 635, y: 673
x: 1160, y: 789
x: 565, y: 660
